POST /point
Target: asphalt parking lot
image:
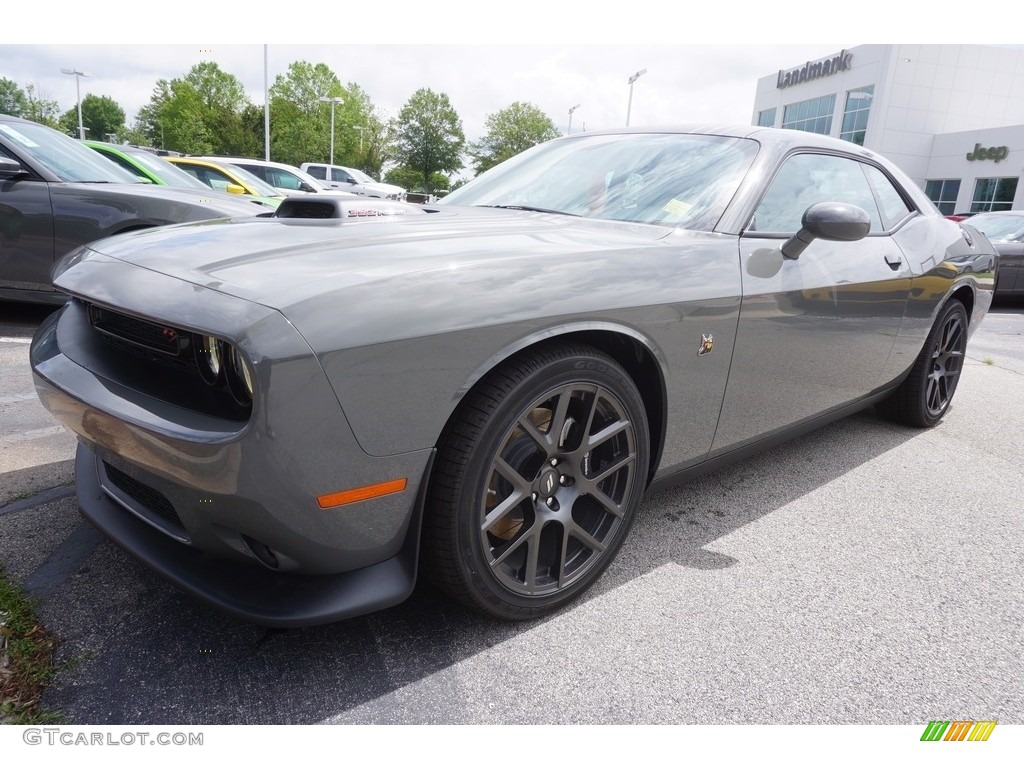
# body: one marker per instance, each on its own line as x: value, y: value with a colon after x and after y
x: 865, y: 574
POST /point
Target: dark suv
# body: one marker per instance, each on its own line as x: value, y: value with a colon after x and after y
x: 56, y: 193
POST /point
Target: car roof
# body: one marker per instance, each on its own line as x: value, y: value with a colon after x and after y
x: 250, y: 160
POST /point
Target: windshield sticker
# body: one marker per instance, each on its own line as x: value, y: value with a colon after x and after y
x: 18, y: 136
x: 677, y: 207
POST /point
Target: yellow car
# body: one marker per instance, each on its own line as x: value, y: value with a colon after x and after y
x: 225, y: 177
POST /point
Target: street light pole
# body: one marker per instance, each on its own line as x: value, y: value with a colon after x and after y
x: 332, y: 100
x: 571, y: 110
x: 78, y: 94
x: 632, y: 79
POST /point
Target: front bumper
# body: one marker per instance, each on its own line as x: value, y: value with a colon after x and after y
x: 250, y: 592
x: 199, y: 498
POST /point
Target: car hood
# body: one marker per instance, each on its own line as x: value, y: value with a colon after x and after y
x: 223, y: 204
x: 279, y: 262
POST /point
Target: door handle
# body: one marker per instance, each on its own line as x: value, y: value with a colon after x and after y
x: 894, y: 262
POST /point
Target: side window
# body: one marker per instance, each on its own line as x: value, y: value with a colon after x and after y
x: 282, y: 179
x: 339, y: 175
x: 127, y: 166
x: 191, y: 170
x: 317, y: 172
x: 217, y: 180
x: 894, y: 206
x: 807, y: 179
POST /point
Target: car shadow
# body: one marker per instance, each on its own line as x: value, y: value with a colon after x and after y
x: 146, y: 653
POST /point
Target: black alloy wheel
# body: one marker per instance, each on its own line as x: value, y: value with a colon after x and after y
x: 537, y: 482
x: 923, y: 399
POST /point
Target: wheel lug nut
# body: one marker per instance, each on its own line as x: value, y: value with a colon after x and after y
x: 553, y: 503
x: 554, y: 462
x: 534, y: 495
x: 563, y: 480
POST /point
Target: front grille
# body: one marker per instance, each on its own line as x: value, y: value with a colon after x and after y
x: 151, y: 336
x: 151, y: 500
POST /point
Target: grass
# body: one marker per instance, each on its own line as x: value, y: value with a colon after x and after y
x: 26, y: 659
x: 989, y: 361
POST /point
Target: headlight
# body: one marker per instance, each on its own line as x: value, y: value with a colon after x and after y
x: 240, y: 377
x: 209, y: 357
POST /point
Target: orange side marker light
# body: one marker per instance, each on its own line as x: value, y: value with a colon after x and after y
x: 361, y: 494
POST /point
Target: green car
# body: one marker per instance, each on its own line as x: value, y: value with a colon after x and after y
x: 147, y: 166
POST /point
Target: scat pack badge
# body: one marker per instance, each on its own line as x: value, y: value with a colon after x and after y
x: 707, y: 343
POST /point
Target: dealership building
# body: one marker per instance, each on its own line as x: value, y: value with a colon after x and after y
x: 951, y: 116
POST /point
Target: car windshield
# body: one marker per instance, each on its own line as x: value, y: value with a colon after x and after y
x: 171, y: 174
x: 678, y: 180
x: 254, y: 182
x: 1001, y: 229
x: 359, y: 176
x: 67, y: 158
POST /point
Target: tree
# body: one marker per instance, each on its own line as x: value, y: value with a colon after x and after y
x: 101, y: 116
x: 301, y: 122
x: 200, y: 113
x: 510, y: 131
x: 13, y: 101
x: 411, y: 179
x: 40, y: 109
x: 428, y: 135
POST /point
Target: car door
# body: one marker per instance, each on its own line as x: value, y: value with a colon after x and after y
x: 26, y: 230
x: 1011, y: 265
x: 815, y: 332
x: 345, y: 180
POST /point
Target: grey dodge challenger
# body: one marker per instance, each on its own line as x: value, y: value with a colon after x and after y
x: 289, y: 417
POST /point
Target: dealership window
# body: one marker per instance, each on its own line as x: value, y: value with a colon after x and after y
x: 813, y: 115
x: 993, y: 194
x: 766, y: 118
x: 943, y: 192
x: 855, y: 116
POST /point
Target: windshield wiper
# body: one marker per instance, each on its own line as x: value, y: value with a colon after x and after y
x: 530, y: 208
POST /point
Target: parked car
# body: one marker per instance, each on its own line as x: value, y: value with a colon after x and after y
x: 56, y: 194
x: 1006, y: 231
x: 225, y: 177
x: 145, y: 166
x: 352, y: 180
x: 286, y: 416
x: 286, y: 179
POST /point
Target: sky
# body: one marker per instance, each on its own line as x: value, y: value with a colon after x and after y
x: 691, y: 83
x: 702, y: 62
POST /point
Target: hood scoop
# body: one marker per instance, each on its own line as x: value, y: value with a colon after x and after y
x: 348, y: 209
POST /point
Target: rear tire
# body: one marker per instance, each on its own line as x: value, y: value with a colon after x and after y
x: 538, y: 478
x: 926, y: 394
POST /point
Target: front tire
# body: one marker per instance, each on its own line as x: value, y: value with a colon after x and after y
x: 538, y: 479
x: 926, y: 394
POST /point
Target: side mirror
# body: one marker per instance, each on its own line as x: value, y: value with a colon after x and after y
x: 236, y: 189
x: 10, y: 168
x: 305, y: 187
x: 829, y: 221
